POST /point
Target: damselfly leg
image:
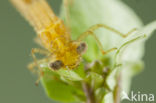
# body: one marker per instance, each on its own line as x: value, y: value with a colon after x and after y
x: 91, y: 30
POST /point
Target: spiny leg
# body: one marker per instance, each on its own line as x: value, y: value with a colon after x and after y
x: 97, y: 26
x: 33, y: 51
x: 33, y: 64
x: 84, y: 35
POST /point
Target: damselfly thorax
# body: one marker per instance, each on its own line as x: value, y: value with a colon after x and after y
x: 57, y: 40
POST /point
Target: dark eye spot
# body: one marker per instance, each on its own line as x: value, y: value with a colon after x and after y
x: 81, y: 48
x: 56, y: 65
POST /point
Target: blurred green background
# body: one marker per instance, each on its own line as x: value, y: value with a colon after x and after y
x: 16, y: 41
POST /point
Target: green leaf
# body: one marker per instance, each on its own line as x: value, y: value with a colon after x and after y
x: 111, y: 78
x: 59, y: 90
x: 128, y: 71
x: 96, y: 79
x: 69, y: 75
x: 80, y: 70
x: 108, y: 98
x: 99, y: 94
x: 56, y: 89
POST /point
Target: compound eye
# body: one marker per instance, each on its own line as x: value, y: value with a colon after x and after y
x: 82, y: 48
x: 56, y: 65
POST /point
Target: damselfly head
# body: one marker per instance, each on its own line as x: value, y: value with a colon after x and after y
x: 69, y: 55
x: 73, y: 55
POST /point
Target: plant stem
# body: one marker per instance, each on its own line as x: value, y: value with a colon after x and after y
x: 88, y: 92
x: 117, y: 90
